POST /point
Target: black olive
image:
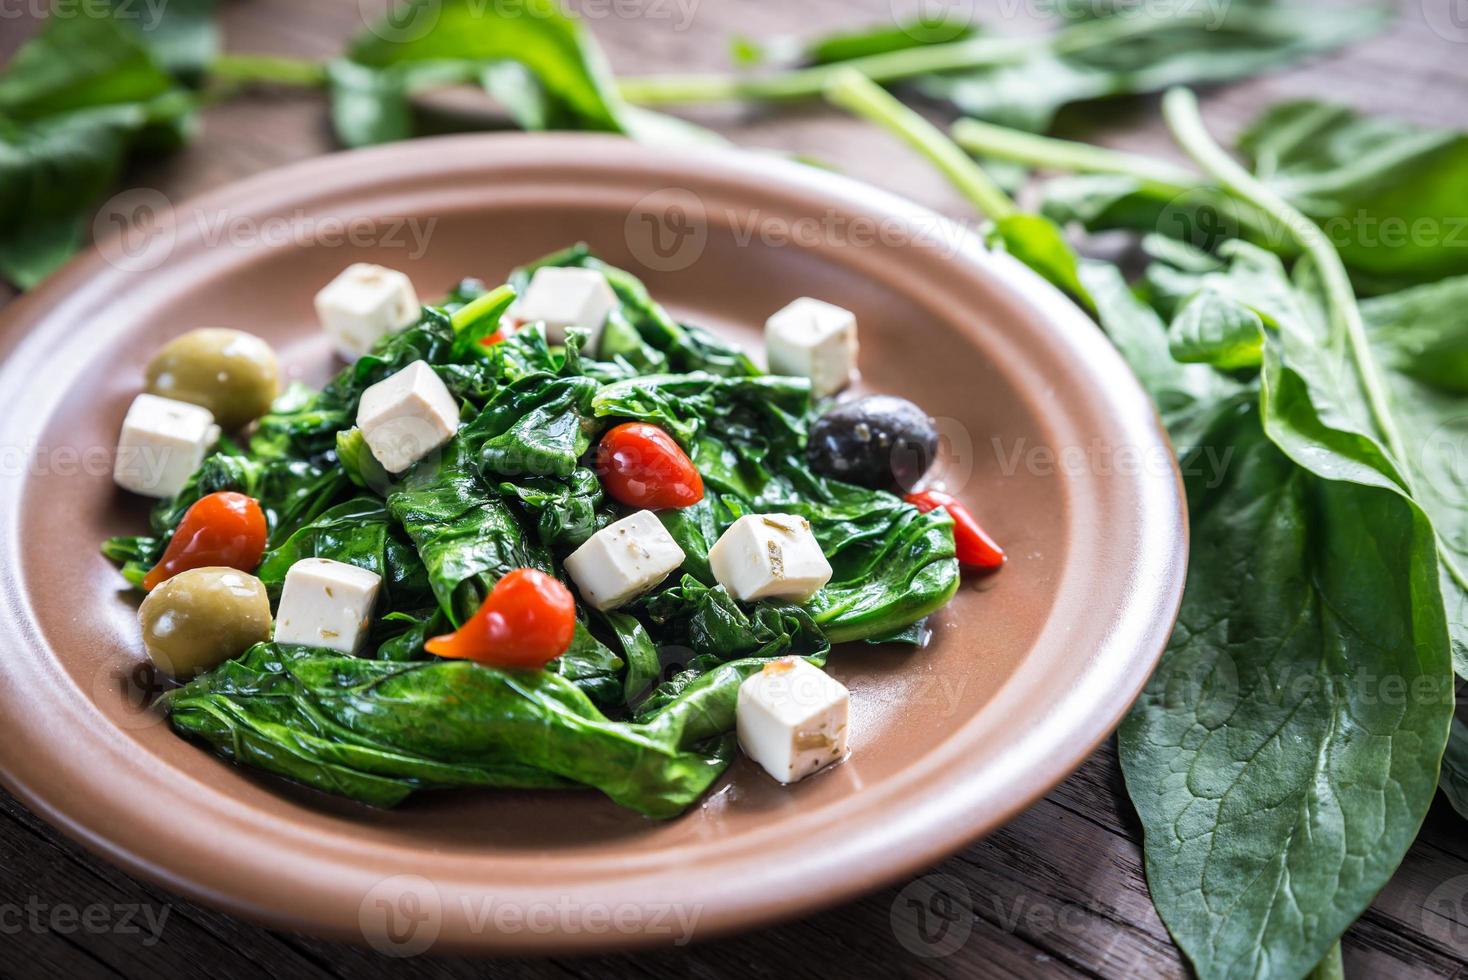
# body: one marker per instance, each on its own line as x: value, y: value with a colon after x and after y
x: 879, y: 441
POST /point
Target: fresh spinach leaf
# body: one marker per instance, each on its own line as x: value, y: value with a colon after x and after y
x: 1213, y: 329
x: 74, y: 102
x: 1389, y: 195
x: 1284, y: 753
x: 1148, y: 51
x: 1454, y: 778
x: 424, y: 43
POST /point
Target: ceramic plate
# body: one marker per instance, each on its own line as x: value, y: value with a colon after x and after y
x: 1047, y: 437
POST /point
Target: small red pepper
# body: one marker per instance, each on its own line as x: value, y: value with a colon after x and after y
x: 224, y: 528
x: 641, y: 466
x: 527, y: 620
x: 507, y: 327
x: 972, y: 543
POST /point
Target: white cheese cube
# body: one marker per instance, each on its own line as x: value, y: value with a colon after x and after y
x: 792, y: 718
x: 567, y: 298
x: 326, y: 603
x: 163, y: 441
x: 769, y: 556
x: 623, y: 560
x: 813, y: 339
x: 406, y: 416
x: 364, y: 304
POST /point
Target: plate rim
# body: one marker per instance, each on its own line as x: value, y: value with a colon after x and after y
x: 921, y: 846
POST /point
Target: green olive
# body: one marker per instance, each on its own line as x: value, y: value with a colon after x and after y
x: 200, y: 618
x: 229, y: 372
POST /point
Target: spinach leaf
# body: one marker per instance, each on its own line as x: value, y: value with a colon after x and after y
x: 641, y: 655
x: 181, y: 34
x: 291, y: 493
x: 565, y: 512
x: 423, y: 43
x: 1148, y: 51
x: 1314, y: 395
x: 537, y: 426
x: 1284, y: 753
x: 1213, y: 329
x: 378, y: 730
x: 1389, y: 195
x: 74, y: 102
x: 466, y: 535
x: 1454, y: 778
x: 359, y: 533
x: 640, y: 330
x: 711, y: 624
x: 79, y: 62
x: 1025, y: 81
x: 1281, y: 757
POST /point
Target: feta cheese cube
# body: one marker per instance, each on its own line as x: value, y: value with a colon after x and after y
x: 813, y: 339
x: 792, y: 718
x: 567, y: 298
x: 364, y: 304
x: 406, y: 416
x: 326, y: 603
x: 163, y: 441
x: 623, y: 560
x: 769, y: 556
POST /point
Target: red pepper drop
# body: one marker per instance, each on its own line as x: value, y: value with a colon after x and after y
x: 972, y: 543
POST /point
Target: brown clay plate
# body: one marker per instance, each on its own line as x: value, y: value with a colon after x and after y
x: 1047, y: 436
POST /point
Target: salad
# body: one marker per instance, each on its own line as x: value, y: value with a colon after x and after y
x: 540, y: 535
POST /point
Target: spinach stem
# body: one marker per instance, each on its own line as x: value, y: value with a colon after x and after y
x: 1000, y: 142
x: 470, y: 313
x: 1180, y: 108
x: 802, y: 83
x: 244, y: 69
x: 1158, y: 176
x: 890, y: 66
x: 854, y: 91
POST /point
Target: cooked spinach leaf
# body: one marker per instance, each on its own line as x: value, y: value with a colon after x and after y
x: 377, y: 730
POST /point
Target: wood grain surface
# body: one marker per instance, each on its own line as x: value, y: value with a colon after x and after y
x: 1058, y: 892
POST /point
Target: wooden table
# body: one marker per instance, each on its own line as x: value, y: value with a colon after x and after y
x: 1059, y: 891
